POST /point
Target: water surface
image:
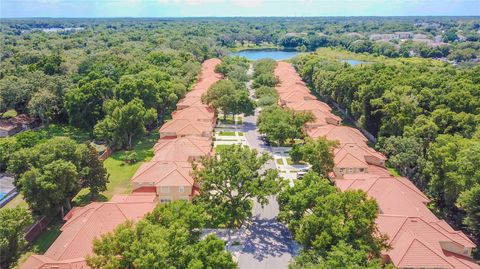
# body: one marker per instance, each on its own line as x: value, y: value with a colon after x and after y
x: 266, y: 53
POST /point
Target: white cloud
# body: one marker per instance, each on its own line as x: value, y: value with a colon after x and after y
x: 248, y: 3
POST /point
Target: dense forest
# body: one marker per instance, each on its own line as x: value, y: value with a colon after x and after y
x: 425, y: 115
x: 115, y: 81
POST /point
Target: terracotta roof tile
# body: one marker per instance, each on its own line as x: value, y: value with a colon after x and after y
x: 186, y: 127
x: 342, y: 134
x: 182, y: 149
x: 162, y: 173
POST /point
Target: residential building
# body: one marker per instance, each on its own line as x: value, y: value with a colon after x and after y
x: 195, y: 113
x: 417, y: 243
x: 170, y: 181
x: 183, y: 149
x: 17, y: 124
x: 186, y: 127
x: 342, y: 134
x: 309, y: 105
x: 394, y: 195
x: 323, y: 118
x: 353, y: 158
x: 84, y: 224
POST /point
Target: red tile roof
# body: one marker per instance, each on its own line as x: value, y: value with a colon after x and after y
x: 182, y: 149
x: 342, y: 134
x: 85, y: 224
x: 195, y: 113
x: 419, y: 244
x: 185, y: 127
x: 353, y: 155
x: 162, y: 173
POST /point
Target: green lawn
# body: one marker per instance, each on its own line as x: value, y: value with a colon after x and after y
x: 280, y: 161
x: 229, y: 120
x: 228, y: 133
x: 45, y: 239
x: 121, y: 172
x: 79, y: 135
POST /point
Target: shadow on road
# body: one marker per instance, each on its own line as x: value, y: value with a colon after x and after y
x: 268, y: 238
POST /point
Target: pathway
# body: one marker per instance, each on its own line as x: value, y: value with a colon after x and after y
x: 268, y: 243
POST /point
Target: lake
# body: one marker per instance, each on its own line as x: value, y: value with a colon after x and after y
x: 353, y: 62
x: 266, y: 53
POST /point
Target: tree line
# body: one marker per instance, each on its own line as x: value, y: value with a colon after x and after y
x: 426, y: 117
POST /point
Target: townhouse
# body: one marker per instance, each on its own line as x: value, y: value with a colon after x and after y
x: 418, y: 239
x: 167, y: 177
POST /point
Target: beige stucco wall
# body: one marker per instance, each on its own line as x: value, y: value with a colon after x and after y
x: 174, y: 193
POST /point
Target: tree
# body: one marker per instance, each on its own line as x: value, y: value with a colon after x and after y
x: 318, y: 153
x: 451, y: 168
x: 124, y: 123
x: 12, y: 233
x: 45, y: 105
x: 324, y: 220
x: 405, y: 154
x: 51, y: 173
x: 50, y: 187
x: 8, y: 146
x: 296, y: 201
x: 230, y: 180
x: 282, y: 124
x: 469, y: 201
x: 94, y: 175
x: 84, y: 104
x: 225, y: 95
x: 168, y: 237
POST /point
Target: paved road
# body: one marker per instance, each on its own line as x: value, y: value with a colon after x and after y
x: 268, y: 243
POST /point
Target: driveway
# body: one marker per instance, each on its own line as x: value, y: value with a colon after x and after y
x: 268, y: 243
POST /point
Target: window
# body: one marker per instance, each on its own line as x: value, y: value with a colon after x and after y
x: 342, y: 170
x: 181, y: 189
x: 362, y: 170
x: 165, y: 200
x: 165, y: 189
x: 350, y: 170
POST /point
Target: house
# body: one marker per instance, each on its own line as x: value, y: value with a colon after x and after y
x: 186, y: 127
x: 195, y: 113
x: 394, y: 195
x: 183, y: 149
x: 170, y: 181
x: 417, y: 243
x: 353, y: 158
x: 342, y: 134
x: 309, y: 105
x: 323, y: 118
x: 84, y: 224
x: 295, y: 96
x: 189, y: 102
x: 17, y: 124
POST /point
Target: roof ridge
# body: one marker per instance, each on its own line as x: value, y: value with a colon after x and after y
x: 433, y: 250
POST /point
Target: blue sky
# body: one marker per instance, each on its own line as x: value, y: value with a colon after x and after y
x: 228, y: 8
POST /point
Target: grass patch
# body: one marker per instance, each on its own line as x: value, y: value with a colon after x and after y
x: 17, y: 201
x: 226, y: 133
x: 46, y: 239
x: 230, y: 120
x: 121, y: 172
x: 392, y: 170
x: 280, y: 161
x: 77, y: 134
x: 9, y: 114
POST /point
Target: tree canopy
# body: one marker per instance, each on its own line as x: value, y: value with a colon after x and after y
x: 231, y: 180
x: 169, y: 237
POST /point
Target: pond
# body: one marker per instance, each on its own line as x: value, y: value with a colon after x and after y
x: 255, y: 54
x: 353, y: 62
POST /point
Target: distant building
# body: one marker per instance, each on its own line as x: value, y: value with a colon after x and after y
x: 17, y: 124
